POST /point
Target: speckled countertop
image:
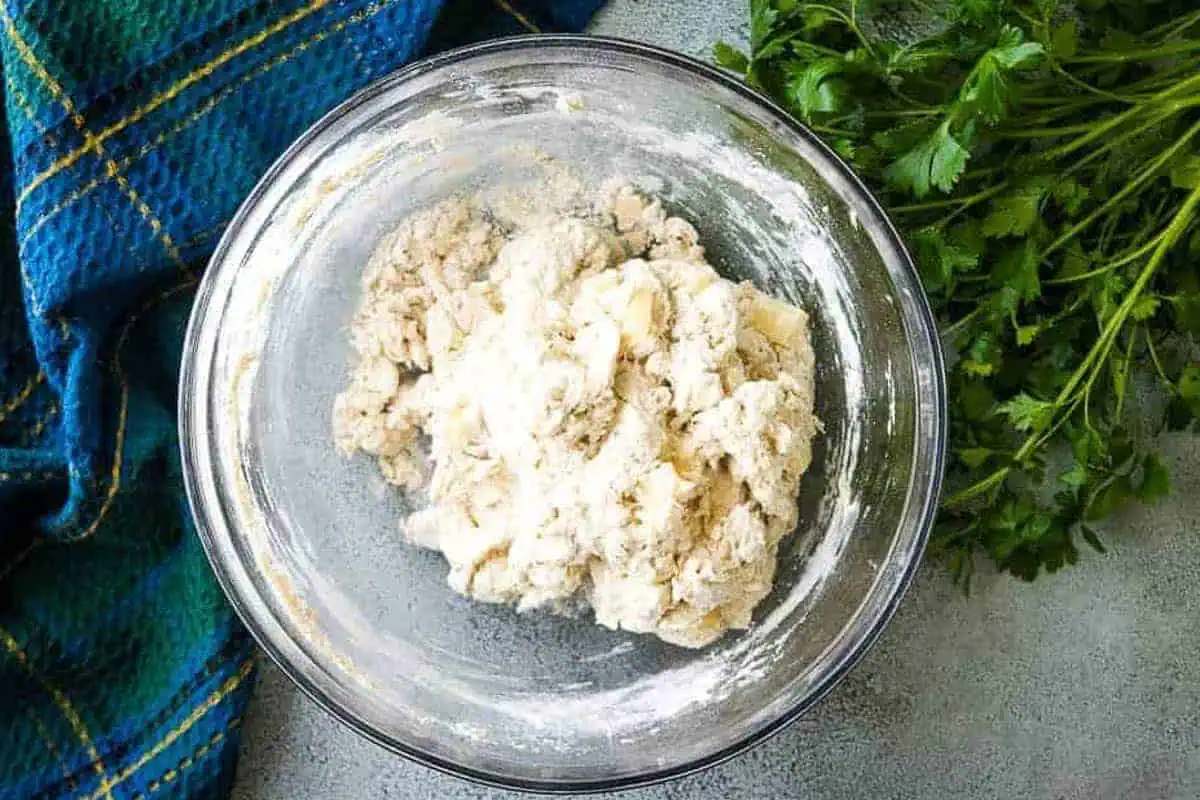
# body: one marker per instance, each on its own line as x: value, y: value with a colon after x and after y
x: 1084, y: 686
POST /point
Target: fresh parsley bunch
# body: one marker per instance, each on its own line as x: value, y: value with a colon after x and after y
x: 1042, y: 158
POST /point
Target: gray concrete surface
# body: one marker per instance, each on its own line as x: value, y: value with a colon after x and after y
x: 1082, y: 686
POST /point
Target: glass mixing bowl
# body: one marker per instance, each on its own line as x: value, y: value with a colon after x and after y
x: 306, y: 542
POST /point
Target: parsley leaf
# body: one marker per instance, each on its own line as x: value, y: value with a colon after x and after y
x: 1156, y: 481
x: 762, y: 23
x: 1189, y: 382
x: 730, y: 57
x: 1027, y: 413
x: 1144, y: 308
x: 937, y: 161
x: 988, y: 89
x: 1186, y: 174
x: 816, y: 90
x: 939, y: 259
x: 1014, y: 213
x: 1186, y: 309
x: 1017, y: 271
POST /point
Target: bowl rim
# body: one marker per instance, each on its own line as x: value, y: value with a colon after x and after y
x: 274, y: 640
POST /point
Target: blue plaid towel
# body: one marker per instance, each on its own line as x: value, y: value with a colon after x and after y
x: 135, y: 127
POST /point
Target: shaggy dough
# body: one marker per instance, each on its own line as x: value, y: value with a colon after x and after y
x: 607, y: 418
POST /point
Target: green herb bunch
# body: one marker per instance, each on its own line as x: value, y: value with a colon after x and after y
x: 1042, y: 159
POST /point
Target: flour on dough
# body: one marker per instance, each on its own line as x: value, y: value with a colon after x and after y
x: 607, y: 419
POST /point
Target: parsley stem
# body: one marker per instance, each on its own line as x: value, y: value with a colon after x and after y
x: 952, y: 202
x: 1153, y: 351
x: 1122, y: 370
x: 1103, y: 128
x: 1080, y: 83
x: 1163, y: 78
x: 829, y: 131
x: 816, y: 48
x: 1066, y: 312
x: 849, y: 21
x: 1059, y: 105
x: 1175, y: 26
x: 1110, y: 266
x: 977, y: 489
x: 1146, y: 54
x: 1115, y: 142
x: 1145, y: 175
x: 905, y: 112
x: 962, y: 322
x: 982, y: 172
x: 1046, y: 133
x: 1108, y: 230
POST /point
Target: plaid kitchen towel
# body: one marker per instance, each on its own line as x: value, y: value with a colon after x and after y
x: 134, y: 129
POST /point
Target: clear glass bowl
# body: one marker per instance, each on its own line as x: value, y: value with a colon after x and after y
x: 305, y: 542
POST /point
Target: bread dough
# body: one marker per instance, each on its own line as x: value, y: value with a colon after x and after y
x: 607, y: 419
